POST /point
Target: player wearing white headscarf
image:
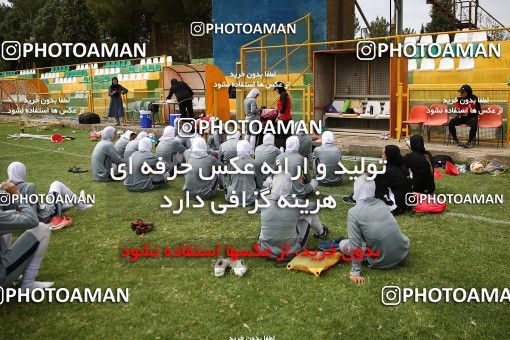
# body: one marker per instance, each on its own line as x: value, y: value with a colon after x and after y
x: 169, y: 148
x: 201, y: 162
x: 267, y: 152
x: 329, y: 155
x: 133, y: 145
x: 371, y: 224
x: 104, y: 156
x: 301, y: 186
x: 120, y: 145
x: 281, y: 227
x: 252, y: 113
x: 25, y: 255
x: 17, y: 174
x: 237, y: 184
x: 138, y: 181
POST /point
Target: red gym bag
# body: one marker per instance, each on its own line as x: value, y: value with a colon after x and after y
x: 426, y: 205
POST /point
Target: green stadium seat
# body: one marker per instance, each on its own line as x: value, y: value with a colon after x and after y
x: 96, y: 78
x: 117, y: 64
x: 151, y: 68
x: 128, y: 62
x: 144, y: 68
x: 122, y: 63
x: 131, y: 69
x: 107, y: 65
x: 137, y: 68
x: 158, y: 67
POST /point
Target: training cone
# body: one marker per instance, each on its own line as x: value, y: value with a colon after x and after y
x: 437, y: 173
x: 451, y: 169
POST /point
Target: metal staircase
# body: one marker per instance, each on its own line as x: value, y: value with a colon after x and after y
x: 466, y: 14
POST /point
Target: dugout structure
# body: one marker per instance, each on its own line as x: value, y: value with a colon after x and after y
x: 343, y: 82
x: 203, y: 80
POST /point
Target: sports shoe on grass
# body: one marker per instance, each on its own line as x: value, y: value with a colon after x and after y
x: 220, y: 266
x: 332, y: 244
x: 144, y: 228
x: 135, y: 224
x: 83, y: 206
x: 325, y: 232
x: 238, y: 267
x: 348, y: 199
x: 60, y: 222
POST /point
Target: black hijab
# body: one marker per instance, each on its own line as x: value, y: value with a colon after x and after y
x: 113, y: 86
x: 417, y: 144
x: 393, y: 156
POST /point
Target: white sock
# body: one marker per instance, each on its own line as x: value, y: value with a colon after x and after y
x: 42, y: 284
x: 31, y: 272
x: 83, y: 206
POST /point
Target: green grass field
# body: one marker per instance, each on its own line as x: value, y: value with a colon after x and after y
x: 172, y: 298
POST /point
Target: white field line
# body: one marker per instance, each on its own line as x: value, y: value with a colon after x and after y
x: 43, y: 149
x: 478, y: 218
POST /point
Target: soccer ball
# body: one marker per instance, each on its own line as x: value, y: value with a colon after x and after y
x: 476, y: 167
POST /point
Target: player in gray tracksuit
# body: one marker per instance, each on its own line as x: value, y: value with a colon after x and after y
x: 329, y: 155
x: 25, y: 255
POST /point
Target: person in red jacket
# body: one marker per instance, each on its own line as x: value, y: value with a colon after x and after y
x: 468, y: 108
x: 283, y: 106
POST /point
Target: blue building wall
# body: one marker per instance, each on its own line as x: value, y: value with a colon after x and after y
x: 226, y: 47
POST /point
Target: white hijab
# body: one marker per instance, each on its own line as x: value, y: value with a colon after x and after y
x: 254, y: 93
x: 199, y: 147
x: 292, y: 144
x: 282, y: 186
x: 108, y: 133
x: 328, y: 138
x: 363, y: 189
x: 235, y: 135
x: 145, y: 145
x: 168, y: 133
x: 127, y: 134
x: 17, y: 172
x: 268, y: 139
x: 141, y: 135
x: 243, y: 149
